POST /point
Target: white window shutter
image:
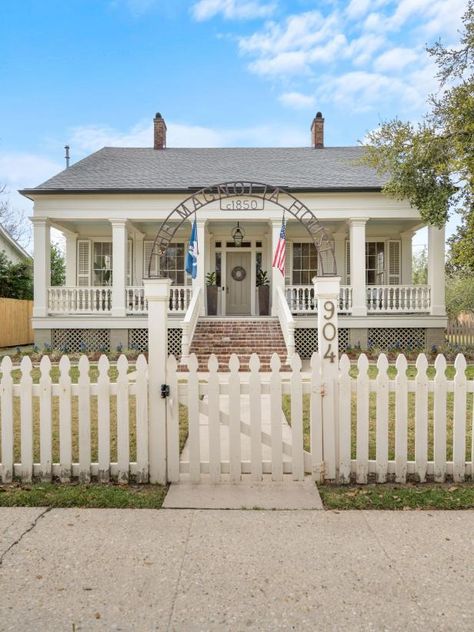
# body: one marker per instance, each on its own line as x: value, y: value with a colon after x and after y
x: 83, y: 262
x: 394, y: 262
x: 348, y: 262
x: 147, y: 250
x: 129, y: 263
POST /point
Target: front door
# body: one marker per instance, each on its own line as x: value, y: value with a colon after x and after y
x: 238, y: 283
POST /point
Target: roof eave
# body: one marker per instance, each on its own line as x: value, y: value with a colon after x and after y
x: 33, y: 192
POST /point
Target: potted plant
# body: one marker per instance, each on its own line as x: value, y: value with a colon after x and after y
x: 211, y: 289
x: 263, y: 285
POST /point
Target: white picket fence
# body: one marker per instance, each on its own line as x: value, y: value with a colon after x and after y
x: 389, y: 427
x: 29, y: 410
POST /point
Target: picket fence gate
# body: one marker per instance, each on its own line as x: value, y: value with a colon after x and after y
x: 387, y: 428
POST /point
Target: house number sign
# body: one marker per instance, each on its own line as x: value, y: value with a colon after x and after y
x: 329, y: 331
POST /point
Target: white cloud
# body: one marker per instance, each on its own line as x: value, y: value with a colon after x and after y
x: 358, y: 52
x: 92, y: 138
x: 291, y: 47
x: 232, y: 9
x: 296, y: 100
x: 358, y: 8
x: 362, y: 91
x: 396, y: 59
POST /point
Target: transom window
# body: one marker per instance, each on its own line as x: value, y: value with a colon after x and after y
x: 305, y: 263
x: 173, y: 263
x: 102, y: 263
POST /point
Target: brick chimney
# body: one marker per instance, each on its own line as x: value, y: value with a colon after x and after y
x: 160, y: 132
x: 317, y: 131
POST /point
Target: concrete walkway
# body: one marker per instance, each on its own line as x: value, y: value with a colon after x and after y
x: 144, y: 570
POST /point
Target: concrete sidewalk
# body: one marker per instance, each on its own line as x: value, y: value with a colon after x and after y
x: 143, y: 570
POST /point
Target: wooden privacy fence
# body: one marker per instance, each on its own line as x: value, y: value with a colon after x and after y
x: 15, y: 322
x: 461, y: 332
x: 96, y: 422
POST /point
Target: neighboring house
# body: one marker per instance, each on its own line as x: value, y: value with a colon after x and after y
x: 12, y: 249
x: 111, y: 204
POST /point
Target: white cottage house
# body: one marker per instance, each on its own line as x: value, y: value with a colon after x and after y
x: 110, y: 207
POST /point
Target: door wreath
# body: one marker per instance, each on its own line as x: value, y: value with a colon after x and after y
x: 238, y: 273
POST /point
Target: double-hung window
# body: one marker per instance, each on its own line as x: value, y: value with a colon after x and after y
x: 305, y: 263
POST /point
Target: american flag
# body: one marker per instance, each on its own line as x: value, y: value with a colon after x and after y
x: 280, y: 252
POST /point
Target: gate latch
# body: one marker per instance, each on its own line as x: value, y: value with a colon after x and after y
x: 164, y: 391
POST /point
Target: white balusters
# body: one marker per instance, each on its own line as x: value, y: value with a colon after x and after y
x: 398, y: 299
x: 301, y: 299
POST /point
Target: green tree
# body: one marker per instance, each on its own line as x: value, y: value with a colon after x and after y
x: 431, y: 164
x: 459, y: 294
x: 420, y: 268
x: 16, y: 279
x: 58, y: 266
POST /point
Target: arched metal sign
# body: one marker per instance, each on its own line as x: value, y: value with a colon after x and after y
x: 258, y: 190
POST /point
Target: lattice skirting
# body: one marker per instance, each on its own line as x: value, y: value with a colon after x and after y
x: 138, y: 339
x: 306, y: 341
x: 77, y: 340
x: 411, y: 338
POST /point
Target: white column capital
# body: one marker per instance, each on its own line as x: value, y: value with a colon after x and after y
x: 40, y: 221
x: 358, y: 221
x: 119, y: 222
x: 157, y: 289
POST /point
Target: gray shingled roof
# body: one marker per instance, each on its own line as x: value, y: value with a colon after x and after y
x: 146, y: 169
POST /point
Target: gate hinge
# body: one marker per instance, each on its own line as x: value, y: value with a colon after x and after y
x: 164, y: 391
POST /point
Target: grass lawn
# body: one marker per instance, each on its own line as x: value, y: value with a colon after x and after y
x: 391, y: 429
x: 389, y: 496
x: 76, y: 495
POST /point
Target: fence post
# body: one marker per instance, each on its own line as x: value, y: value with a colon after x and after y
x: 157, y: 293
x: 326, y: 290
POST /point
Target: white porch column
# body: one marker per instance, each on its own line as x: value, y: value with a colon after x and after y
x: 71, y: 259
x: 277, y: 278
x: 138, y: 256
x: 119, y: 265
x: 339, y: 252
x: 41, y: 265
x: 407, y: 258
x: 157, y: 293
x: 199, y: 281
x: 357, y: 266
x: 436, y: 272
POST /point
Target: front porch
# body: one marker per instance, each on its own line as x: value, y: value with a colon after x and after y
x: 107, y: 263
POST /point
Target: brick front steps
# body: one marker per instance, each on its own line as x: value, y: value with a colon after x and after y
x: 241, y: 336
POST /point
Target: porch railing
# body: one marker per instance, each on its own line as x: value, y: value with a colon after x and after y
x: 98, y: 300
x: 80, y: 300
x: 398, y: 299
x: 287, y: 322
x: 190, y: 322
x: 301, y: 299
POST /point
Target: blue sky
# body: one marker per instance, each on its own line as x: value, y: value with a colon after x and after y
x: 222, y: 72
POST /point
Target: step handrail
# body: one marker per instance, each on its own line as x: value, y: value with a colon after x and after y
x: 287, y: 322
x: 189, y: 324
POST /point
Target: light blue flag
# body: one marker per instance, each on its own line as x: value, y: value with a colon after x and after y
x: 193, y: 251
